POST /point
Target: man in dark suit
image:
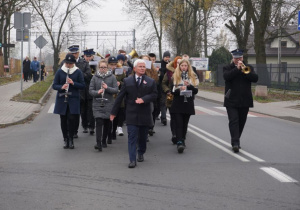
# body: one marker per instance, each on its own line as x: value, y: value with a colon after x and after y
x: 140, y: 91
x: 238, y: 95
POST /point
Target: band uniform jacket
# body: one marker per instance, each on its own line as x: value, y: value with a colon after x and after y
x: 238, y: 86
x: 84, y: 66
x: 137, y: 114
x: 74, y: 98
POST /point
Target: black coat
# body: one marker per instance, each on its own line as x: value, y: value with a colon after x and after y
x: 26, y: 66
x: 238, y: 86
x: 179, y: 106
x: 137, y: 114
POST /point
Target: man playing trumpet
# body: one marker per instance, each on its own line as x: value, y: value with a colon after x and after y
x: 238, y: 95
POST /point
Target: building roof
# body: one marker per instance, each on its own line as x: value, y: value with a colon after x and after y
x: 289, y: 31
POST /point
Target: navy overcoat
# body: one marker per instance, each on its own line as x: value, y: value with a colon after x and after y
x: 74, y: 98
x: 137, y: 114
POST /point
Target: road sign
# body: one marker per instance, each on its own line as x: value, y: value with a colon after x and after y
x: 40, y: 42
x: 18, y: 20
x: 8, y: 45
x: 298, y: 20
x: 25, y: 35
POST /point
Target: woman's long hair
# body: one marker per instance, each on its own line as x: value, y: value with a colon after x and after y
x: 191, y: 74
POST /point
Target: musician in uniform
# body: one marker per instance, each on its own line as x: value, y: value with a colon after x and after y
x: 86, y: 70
x: 68, y: 81
x: 238, y: 95
x: 87, y: 110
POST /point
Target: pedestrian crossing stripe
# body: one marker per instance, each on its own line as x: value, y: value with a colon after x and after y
x: 213, y: 111
x: 219, y: 111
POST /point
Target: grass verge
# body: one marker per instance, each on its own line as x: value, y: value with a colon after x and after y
x: 6, y: 80
x: 35, y: 92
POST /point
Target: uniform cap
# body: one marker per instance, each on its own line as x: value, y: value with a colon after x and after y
x: 70, y: 58
x: 237, y: 53
x: 112, y: 60
x: 73, y: 49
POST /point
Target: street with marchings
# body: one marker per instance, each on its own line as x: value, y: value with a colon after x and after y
x: 36, y: 172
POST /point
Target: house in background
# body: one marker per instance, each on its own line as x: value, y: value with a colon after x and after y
x: 290, y: 49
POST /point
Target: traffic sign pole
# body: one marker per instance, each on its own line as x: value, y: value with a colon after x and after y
x: 22, y: 31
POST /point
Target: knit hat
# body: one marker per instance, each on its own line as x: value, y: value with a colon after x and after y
x: 121, y: 57
x: 167, y: 54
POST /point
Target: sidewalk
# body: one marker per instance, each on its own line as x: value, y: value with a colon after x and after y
x: 288, y: 110
x: 12, y: 112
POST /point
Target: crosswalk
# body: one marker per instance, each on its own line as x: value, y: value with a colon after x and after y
x: 220, y: 111
x: 200, y: 110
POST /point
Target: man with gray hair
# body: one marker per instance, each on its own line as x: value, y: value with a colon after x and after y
x: 140, y: 91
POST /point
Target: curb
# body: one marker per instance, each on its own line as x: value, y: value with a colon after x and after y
x: 46, y: 94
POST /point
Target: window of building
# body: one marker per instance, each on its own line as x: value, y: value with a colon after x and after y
x: 283, y: 44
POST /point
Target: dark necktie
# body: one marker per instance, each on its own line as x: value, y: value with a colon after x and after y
x: 138, y: 81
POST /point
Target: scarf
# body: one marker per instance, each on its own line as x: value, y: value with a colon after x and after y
x: 71, y: 70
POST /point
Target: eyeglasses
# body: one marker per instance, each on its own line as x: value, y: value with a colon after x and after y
x: 102, y: 67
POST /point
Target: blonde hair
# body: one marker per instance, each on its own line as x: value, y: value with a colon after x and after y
x: 191, y: 74
x: 102, y: 61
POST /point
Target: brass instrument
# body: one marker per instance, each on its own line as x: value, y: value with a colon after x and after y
x: 245, y: 69
x: 133, y: 54
x: 170, y: 97
x: 99, y: 55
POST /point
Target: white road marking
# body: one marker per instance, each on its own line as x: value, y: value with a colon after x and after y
x: 219, y: 146
x: 280, y: 176
x: 209, y: 111
x: 51, y: 109
x: 224, y: 109
x: 226, y: 143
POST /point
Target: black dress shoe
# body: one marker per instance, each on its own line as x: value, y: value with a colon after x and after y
x: 85, y: 130
x: 71, y: 143
x: 75, y: 136
x: 92, y: 131
x: 66, y: 143
x: 109, y: 141
x: 164, y: 122
x: 132, y: 164
x: 174, y: 140
x: 104, y: 145
x: 140, y: 158
x: 236, y: 148
x: 150, y: 132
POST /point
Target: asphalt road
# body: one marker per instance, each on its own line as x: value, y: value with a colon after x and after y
x: 37, y: 173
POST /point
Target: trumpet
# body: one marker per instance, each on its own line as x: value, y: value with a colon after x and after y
x: 245, y: 69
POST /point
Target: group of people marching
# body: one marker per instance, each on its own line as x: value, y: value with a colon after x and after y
x: 116, y: 90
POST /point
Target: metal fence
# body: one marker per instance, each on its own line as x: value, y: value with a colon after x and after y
x: 277, y: 76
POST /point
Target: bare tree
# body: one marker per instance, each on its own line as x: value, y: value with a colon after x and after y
x: 60, y: 15
x: 240, y: 23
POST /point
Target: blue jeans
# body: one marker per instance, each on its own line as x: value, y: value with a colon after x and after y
x: 137, y: 135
